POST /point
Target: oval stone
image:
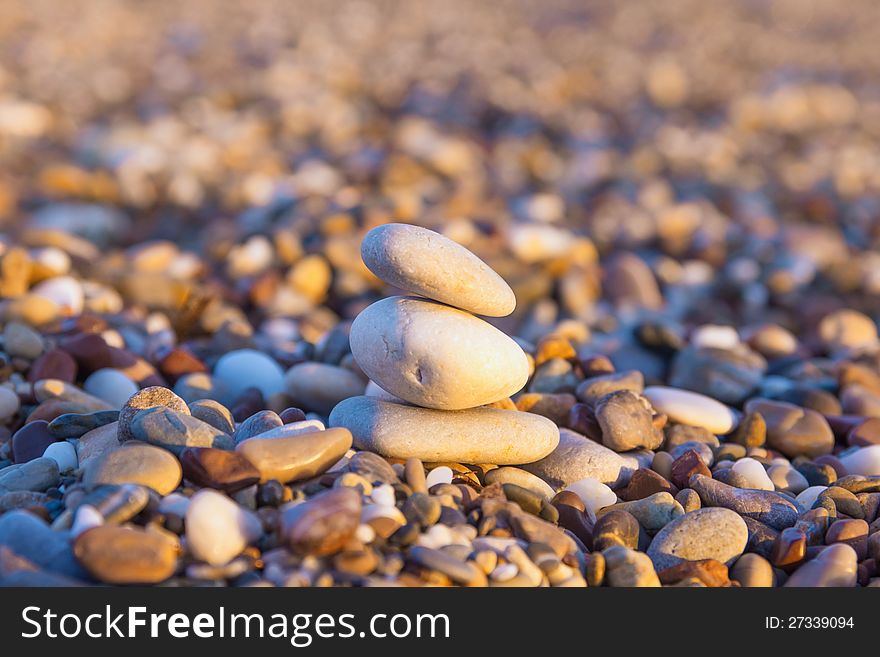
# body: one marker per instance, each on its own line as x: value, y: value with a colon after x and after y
x: 577, y: 457
x: 218, y: 529
x: 323, y: 524
x: 218, y: 468
x: 428, y: 264
x: 436, y: 356
x: 135, y: 463
x: 126, y: 555
x: 713, y: 533
x: 692, y: 408
x: 477, y: 435
x: 290, y: 458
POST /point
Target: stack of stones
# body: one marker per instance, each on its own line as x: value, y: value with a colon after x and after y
x: 442, y: 375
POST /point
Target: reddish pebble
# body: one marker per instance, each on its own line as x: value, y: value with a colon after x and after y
x: 31, y: 441
x: 291, y: 415
x: 54, y: 364
x: 687, y: 465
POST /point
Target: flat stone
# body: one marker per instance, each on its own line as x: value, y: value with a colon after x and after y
x: 478, y: 435
x: 296, y: 457
x: 75, y: 425
x: 323, y: 524
x: 459, y: 571
x: 793, y: 430
x: 433, y: 266
x: 319, y: 387
x: 692, y: 408
x: 770, y: 508
x: 218, y: 529
x: 176, y: 431
x: 96, y: 442
x: 715, y: 533
x: 47, y: 389
x: 31, y: 441
x: 135, y: 463
x: 36, y: 475
x: 535, y: 530
x: 218, y: 468
x: 835, y: 566
x: 577, y: 457
x: 436, y: 356
x: 626, y: 422
x: 143, y: 399
x: 127, y: 555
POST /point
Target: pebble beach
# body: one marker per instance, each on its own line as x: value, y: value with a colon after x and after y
x: 374, y: 294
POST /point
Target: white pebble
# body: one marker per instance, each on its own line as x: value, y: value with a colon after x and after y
x: 864, y: 461
x: 807, y: 497
x: 754, y: 473
x: 504, y: 572
x: 441, y: 475
x: 593, y: 493
x: 86, y: 517
x: 65, y: 291
x: 218, y: 529
x: 714, y: 336
x: 372, y: 511
x: 64, y: 454
x: 365, y: 534
x: 384, y: 495
x: 435, y: 538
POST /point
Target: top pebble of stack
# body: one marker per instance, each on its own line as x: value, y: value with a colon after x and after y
x: 426, y: 263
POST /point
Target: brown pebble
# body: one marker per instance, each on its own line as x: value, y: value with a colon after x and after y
x: 217, y: 468
x: 323, y: 524
x: 710, y: 572
x: 685, y: 466
x: 127, y: 555
x: 617, y: 527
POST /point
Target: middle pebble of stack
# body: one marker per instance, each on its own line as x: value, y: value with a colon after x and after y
x: 434, y: 354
